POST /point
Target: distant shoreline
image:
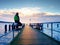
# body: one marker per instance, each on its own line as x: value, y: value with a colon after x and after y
x: 5, y: 22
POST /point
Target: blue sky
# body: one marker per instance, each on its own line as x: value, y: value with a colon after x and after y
x: 46, y: 5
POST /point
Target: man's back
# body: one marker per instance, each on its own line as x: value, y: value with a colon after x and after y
x: 16, y: 18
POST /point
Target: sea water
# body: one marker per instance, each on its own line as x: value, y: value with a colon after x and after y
x: 2, y: 27
x: 5, y: 40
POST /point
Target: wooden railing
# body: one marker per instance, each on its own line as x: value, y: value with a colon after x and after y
x: 8, y: 28
x: 52, y: 29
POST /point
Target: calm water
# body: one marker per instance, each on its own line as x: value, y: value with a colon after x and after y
x: 7, y: 38
x: 2, y: 28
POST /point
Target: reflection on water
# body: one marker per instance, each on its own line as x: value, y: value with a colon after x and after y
x: 2, y: 28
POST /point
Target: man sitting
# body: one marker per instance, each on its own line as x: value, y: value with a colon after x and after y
x: 17, y: 20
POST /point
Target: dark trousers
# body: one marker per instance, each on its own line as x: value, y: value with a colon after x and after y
x: 18, y: 23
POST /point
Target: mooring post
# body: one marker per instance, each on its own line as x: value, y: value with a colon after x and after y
x: 51, y: 29
x: 5, y: 28
x: 47, y: 25
x: 13, y: 29
x: 9, y: 27
x: 57, y: 25
x: 13, y: 34
x: 42, y: 27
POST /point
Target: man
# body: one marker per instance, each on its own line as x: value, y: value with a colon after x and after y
x: 17, y: 20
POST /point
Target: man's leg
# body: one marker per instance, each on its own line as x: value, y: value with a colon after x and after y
x: 20, y: 24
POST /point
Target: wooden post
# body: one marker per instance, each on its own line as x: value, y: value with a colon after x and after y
x: 9, y: 27
x: 13, y: 26
x: 47, y: 25
x: 13, y: 30
x: 42, y: 27
x: 5, y: 28
x: 51, y: 29
x: 13, y: 34
x: 57, y: 25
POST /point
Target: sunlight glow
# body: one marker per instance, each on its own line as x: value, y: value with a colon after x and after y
x: 29, y: 11
x: 22, y: 11
x: 26, y: 11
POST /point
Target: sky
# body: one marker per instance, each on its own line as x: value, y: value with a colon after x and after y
x: 28, y: 8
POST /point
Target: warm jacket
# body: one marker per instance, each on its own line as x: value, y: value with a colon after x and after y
x: 16, y: 18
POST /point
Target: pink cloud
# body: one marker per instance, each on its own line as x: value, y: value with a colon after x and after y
x: 35, y: 16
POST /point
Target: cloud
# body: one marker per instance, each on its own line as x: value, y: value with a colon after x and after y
x: 22, y: 11
x: 5, y: 12
x: 25, y: 13
x: 45, y: 14
x: 8, y: 14
x: 50, y: 13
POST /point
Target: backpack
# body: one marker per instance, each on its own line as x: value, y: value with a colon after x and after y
x: 16, y: 18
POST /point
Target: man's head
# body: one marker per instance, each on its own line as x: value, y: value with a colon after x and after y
x: 17, y: 13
